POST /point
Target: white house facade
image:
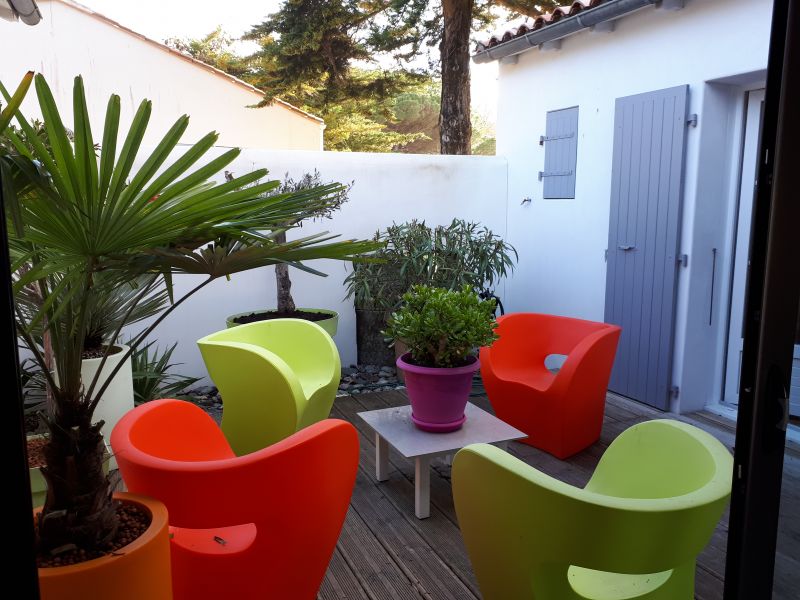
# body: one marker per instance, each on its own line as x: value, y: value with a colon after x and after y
x: 631, y: 146
x: 74, y: 40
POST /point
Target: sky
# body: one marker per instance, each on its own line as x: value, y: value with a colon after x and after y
x: 162, y: 19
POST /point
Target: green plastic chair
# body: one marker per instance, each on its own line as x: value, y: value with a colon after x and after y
x: 634, y: 531
x: 275, y: 377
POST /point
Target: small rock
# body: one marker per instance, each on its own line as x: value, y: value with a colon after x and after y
x: 355, y: 392
x: 381, y: 381
x: 349, y: 370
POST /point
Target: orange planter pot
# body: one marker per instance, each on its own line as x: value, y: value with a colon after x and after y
x: 139, y: 571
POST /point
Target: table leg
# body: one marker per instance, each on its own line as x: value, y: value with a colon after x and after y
x: 422, y: 487
x: 381, y: 458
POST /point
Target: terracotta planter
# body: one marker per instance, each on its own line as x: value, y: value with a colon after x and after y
x: 330, y: 324
x: 438, y: 395
x: 137, y: 571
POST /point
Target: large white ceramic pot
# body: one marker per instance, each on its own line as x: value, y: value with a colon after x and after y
x: 118, y: 397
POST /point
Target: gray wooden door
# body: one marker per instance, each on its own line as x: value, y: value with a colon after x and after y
x: 641, y: 280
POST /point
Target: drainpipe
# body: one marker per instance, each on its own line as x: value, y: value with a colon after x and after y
x: 608, y: 11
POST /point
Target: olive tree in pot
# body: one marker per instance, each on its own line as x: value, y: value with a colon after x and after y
x: 84, y: 223
x: 325, y: 318
x: 443, y: 330
x: 445, y: 256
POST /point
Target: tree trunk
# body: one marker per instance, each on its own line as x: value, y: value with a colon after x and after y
x: 455, y: 129
x: 285, y: 300
x: 78, y: 508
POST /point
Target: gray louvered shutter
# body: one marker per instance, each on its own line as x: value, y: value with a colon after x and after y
x: 560, y: 153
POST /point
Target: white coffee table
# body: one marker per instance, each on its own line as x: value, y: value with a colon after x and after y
x: 393, y: 427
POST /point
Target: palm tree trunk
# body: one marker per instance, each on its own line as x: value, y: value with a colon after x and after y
x: 285, y: 300
x: 455, y: 129
x: 79, y: 508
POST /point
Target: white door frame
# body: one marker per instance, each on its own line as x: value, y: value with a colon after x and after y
x: 741, y: 246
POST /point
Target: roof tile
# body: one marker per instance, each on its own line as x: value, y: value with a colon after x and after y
x: 534, y: 24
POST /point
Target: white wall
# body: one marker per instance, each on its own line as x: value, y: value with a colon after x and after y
x: 386, y: 188
x: 112, y: 60
x: 562, y: 242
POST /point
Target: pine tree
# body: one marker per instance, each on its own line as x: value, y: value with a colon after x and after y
x: 315, y: 47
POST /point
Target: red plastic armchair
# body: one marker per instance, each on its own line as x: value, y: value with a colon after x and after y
x: 562, y: 413
x: 263, y: 525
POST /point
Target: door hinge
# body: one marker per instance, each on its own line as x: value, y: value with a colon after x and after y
x: 683, y: 260
x: 674, y: 391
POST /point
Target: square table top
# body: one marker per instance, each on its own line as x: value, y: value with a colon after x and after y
x: 395, y: 426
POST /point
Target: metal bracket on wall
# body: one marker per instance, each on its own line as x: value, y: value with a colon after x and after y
x: 674, y: 391
x: 692, y: 120
x: 683, y: 260
x: 543, y: 174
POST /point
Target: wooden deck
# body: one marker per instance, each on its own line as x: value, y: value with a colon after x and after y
x: 385, y: 552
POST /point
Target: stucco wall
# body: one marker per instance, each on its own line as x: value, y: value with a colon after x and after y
x: 69, y: 42
x: 386, y: 188
x: 563, y: 241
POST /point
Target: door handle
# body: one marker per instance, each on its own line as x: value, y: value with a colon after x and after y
x: 626, y: 248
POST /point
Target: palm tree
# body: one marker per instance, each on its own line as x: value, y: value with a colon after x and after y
x: 83, y: 223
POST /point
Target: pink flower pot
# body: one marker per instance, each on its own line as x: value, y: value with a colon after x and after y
x: 438, y: 395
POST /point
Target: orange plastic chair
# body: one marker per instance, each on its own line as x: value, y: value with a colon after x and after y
x: 562, y: 413
x: 263, y: 525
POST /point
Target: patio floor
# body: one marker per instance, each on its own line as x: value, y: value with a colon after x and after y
x: 385, y: 552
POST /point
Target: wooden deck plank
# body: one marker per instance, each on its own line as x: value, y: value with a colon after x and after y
x: 440, y: 530
x: 341, y: 581
x: 385, y: 552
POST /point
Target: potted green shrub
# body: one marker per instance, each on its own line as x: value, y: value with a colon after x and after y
x: 287, y: 309
x: 83, y: 222
x: 446, y: 256
x: 443, y: 330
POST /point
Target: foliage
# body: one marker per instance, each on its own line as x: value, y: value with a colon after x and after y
x: 151, y: 374
x: 311, y: 52
x: 34, y: 387
x: 84, y: 224
x: 443, y: 328
x: 358, y: 119
x: 308, y: 181
x: 215, y: 49
x: 461, y: 253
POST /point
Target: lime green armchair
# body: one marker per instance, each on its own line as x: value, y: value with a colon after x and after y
x: 275, y: 377
x: 634, y: 531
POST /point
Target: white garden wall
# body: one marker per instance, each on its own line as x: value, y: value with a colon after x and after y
x: 71, y: 40
x: 386, y: 188
x: 562, y: 242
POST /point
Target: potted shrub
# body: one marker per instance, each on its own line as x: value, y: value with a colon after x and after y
x: 446, y: 256
x: 82, y: 224
x: 325, y: 318
x: 443, y: 330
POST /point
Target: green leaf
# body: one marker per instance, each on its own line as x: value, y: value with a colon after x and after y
x: 15, y: 101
